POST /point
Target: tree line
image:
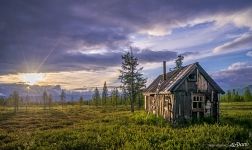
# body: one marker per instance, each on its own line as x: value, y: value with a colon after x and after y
x: 18, y: 101
x: 117, y: 96
x: 234, y: 96
x: 132, y: 86
x: 130, y: 92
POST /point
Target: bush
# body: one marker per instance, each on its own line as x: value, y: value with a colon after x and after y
x: 120, y: 129
x: 149, y: 119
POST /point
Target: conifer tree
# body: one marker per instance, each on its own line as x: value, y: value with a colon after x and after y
x: 81, y: 100
x: 104, y: 94
x: 50, y: 99
x: 131, y: 77
x: 115, y: 97
x: 229, y: 96
x: 96, y: 97
x: 247, y: 94
x: 124, y: 97
x: 45, y: 99
x: 62, y: 98
x: 15, y: 97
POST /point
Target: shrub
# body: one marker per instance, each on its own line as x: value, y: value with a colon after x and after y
x: 149, y: 119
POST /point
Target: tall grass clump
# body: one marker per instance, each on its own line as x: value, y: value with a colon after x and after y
x: 148, y: 119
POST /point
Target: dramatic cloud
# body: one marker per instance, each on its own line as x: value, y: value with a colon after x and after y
x: 239, y: 65
x: 86, y: 69
x: 241, y: 18
x: 70, y: 80
x: 238, y: 74
x: 90, y: 62
x: 63, y: 36
x: 30, y: 29
x: 241, y: 43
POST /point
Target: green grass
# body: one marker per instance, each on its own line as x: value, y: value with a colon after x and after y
x: 87, y: 127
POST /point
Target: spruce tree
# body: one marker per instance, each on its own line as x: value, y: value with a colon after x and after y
x: 81, y: 100
x: 247, y: 94
x: 104, y: 94
x: 15, y: 97
x: 62, y: 98
x: 233, y: 95
x: 229, y: 96
x: 96, y: 97
x: 50, y: 101
x: 140, y: 100
x: 45, y: 99
x: 124, y: 97
x: 131, y: 77
x: 237, y: 97
x: 115, y: 97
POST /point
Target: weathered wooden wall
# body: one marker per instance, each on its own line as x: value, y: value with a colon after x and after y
x: 179, y: 103
x: 183, y: 96
x: 161, y: 105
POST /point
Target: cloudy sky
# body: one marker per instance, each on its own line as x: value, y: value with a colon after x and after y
x: 79, y: 43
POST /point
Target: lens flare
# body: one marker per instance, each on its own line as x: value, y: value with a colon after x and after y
x: 32, y: 78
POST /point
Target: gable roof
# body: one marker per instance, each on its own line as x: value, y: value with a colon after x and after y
x: 176, y: 78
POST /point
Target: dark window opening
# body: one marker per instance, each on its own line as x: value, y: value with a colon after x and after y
x: 200, y: 105
x: 194, y: 104
x: 198, y: 101
x: 192, y: 77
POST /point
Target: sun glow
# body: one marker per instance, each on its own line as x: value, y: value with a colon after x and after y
x: 32, y: 78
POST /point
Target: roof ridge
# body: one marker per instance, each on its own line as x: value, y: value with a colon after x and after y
x: 177, y: 69
x: 180, y: 75
x: 176, y: 76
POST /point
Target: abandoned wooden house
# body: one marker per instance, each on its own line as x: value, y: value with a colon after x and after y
x: 186, y: 92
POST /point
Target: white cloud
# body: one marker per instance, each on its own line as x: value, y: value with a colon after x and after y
x: 180, y: 41
x: 249, y: 53
x: 73, y: 79
x: 241, y: 43
x: 238, y: 74
x: 223, y: 24
x: 239, y: 65
x: 240, y: 19
x: 156, y: 30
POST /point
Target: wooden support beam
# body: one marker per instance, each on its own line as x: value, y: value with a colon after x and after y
x: 145, y: 102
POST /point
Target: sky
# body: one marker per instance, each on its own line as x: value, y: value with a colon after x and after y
x: 78, y: 44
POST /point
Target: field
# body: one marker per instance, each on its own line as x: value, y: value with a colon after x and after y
x: 88, y: 127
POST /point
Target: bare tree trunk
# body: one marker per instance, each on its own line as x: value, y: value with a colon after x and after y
x: 132, y: 95
x: 15, y: 105
x: 132, y: 106
x: 132, y: 101
x: 132, y: 85
x: 139, y: 101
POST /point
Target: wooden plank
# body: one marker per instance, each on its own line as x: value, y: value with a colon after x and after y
x: 186, y: 86
x: 197, y: 79
x: 145, y: 102
x: 173, y: 107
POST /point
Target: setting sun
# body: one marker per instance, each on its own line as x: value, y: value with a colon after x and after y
x: 32, y: 78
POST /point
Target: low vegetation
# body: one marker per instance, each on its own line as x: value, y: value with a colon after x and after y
x: 106, y: 127
x: 235, y: 96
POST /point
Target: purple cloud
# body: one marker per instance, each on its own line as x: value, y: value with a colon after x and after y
x: 29, y: 30
x: 238, y: 74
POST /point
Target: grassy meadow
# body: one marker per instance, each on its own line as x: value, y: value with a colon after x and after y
x: 89, y: 127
